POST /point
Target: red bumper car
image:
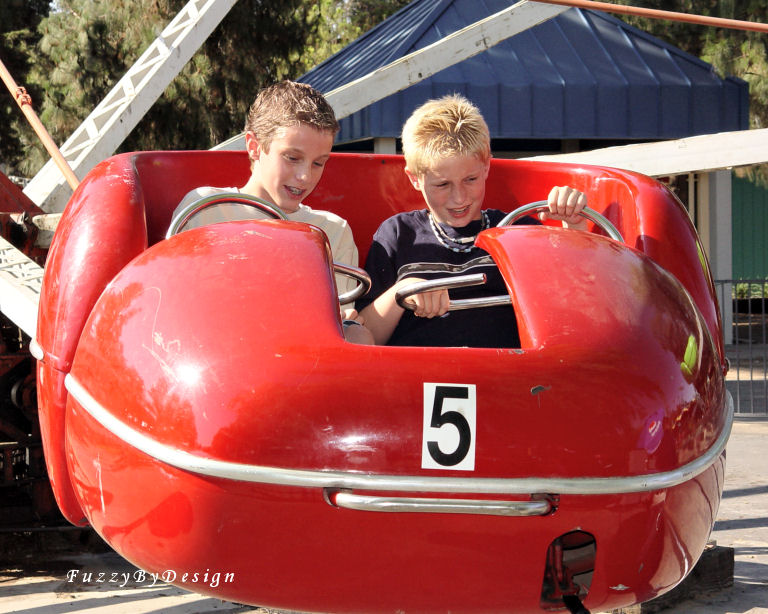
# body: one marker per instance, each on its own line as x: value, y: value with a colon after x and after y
x: 203, y: 412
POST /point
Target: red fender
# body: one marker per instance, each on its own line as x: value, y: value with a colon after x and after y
x: 95, y: 239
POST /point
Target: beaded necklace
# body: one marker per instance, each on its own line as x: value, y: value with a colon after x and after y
x: 444, y: 238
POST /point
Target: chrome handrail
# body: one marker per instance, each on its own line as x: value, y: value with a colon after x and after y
x: 448, y: 283
x: 541, y: 205
x: 182, y: 217
x: 349, y: 480
x: 356, y: 273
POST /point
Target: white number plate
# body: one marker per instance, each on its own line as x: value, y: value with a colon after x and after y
x: 448, y: 440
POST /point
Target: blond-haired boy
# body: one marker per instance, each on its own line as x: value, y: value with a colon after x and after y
x: 446, y: 144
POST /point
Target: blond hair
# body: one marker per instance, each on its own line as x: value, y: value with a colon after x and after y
x: 442, y: 128
x: 287, y: 104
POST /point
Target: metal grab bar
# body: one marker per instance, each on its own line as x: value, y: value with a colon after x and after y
x: 588, y: 213
x: 445, y: 283
x: 182, y: 217
x: 488, y: 507
x: 359, y: 275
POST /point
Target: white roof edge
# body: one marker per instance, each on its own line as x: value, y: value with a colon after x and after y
x: 691, y: 154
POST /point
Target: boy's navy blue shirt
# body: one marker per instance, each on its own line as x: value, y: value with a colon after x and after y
x: 405, y: 246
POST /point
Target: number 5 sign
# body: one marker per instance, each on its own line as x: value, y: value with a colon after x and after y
x: 448, y: 440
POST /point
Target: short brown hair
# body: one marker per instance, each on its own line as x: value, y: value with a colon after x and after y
x: 441, y: 128
x: 286, y: 104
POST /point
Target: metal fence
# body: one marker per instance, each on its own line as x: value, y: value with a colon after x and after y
x: 743, y: 310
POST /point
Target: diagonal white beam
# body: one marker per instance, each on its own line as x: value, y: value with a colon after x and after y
x: 452, y: 49
x: 112, y: 120
x: 20, y: 281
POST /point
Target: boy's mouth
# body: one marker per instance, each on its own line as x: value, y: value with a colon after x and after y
x: 294, y: 191
x: 459, y: 212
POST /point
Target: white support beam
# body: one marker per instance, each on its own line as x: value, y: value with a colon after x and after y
x: 384, y: 145
x: 419, y: 65
x: 692, y: 154
x: 454, y: 48
x: 20, y: 281
x: 112, y: 120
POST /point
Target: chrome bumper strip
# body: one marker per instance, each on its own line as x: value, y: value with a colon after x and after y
x: 342, y: 480
x: 486, y: 507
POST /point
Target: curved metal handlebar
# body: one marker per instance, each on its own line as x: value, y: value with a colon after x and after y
x: 541, y: 205
x: 461, y: 281
x: 356, y: 273
x: 182, y: 217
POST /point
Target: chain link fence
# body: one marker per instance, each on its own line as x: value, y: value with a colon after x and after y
x: 743, y: 310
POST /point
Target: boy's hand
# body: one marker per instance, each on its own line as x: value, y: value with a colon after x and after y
x: 354, y: 333
x: 349, y: 313
x: 565, y: 203
x: 427, y: 304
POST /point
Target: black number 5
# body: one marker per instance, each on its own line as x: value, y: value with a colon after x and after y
x: 450, y: 417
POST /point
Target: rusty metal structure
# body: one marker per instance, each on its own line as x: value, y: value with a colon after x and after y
x: 26, y: 499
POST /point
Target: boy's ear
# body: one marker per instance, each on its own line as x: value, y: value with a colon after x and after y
x: 414, y: 179
x: 252, y: 146
x: 487, y: 168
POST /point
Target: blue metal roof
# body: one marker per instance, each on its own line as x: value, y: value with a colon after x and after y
x: 581, y: 75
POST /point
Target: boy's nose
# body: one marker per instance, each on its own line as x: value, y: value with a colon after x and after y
x: 302, y: 173
x: 459, y: 195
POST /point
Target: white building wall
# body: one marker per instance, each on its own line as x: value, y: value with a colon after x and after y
x: 714, y: 206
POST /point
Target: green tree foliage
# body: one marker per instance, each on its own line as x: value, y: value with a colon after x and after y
x: 87, y: 45
x: 18, y: 35
x: 343, y: 21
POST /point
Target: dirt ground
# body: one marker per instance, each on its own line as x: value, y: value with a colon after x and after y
x: 52, y: 578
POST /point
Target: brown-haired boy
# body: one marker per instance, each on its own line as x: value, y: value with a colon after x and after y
x: 289, y: 133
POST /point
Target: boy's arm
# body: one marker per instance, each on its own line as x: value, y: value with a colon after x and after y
x: 345, y: 252
x: 383, y: 315
x: 378, y: 308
